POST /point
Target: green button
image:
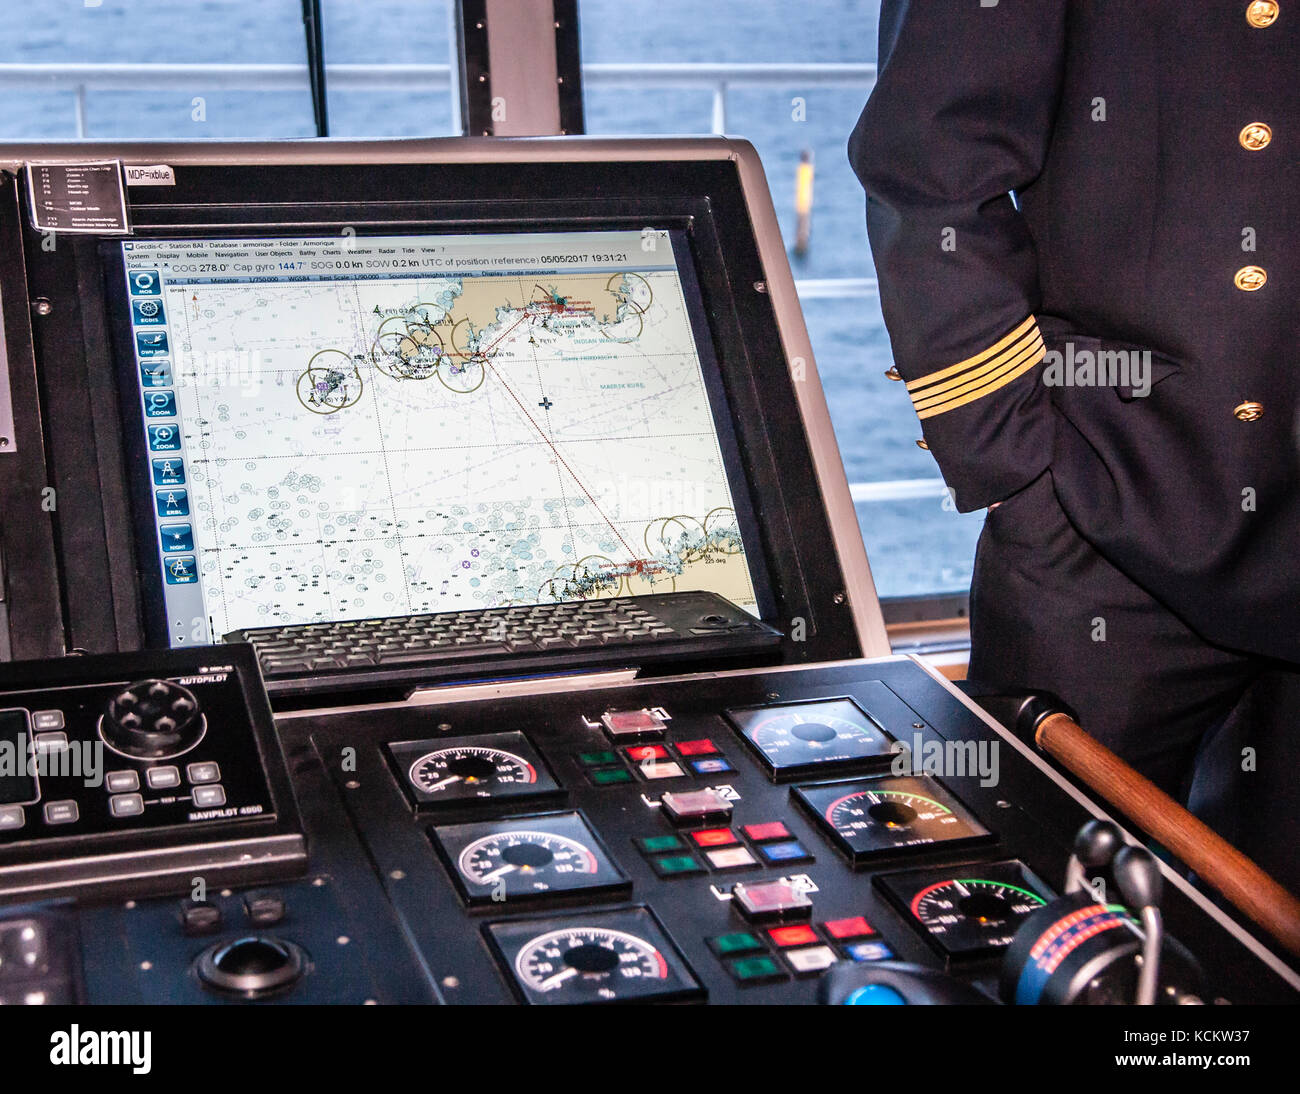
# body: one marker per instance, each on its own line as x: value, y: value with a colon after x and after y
x: 740, y: 942
x: 596, y: 759
x: 676, y: 865
x: 611, y: 775
x: 755, y: 968
x: 657, y: 845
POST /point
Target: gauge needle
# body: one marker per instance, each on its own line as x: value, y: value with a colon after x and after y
x: 445, y: 782
x: 500, y: 871
x: 961, y: 888
x: 558, y: 979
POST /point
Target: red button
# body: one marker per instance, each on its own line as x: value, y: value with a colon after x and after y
x: 715, y: 837
x: 800, y: 935
x: 642, y: 754
x: 856, y: 927
x: 701, y: 747
x: 761, y: 833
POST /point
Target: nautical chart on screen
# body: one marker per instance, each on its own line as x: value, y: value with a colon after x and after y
x: 417, y: 424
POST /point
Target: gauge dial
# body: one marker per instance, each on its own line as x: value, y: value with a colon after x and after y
x: 800, y: 737
x: 600, y: 957
x: 971, y: 911
x: 472, y: 766
x: 526, y: 858
x: 457, y: 771
x: 867, y: 818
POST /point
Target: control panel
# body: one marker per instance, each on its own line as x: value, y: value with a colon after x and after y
x: 852, y: 834
x: 131, y: 772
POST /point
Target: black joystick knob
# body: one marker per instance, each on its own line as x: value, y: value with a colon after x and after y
x: 1137, y: 874
x: 153, y: 719
x: 1097, y: 843
x: 253, y: 965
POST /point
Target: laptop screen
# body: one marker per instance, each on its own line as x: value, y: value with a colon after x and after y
x: 363, y: 426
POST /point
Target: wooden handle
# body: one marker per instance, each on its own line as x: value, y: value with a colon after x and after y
x: 1213, y: 858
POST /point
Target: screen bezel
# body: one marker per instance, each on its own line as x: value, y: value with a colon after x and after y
x: 150, y: 558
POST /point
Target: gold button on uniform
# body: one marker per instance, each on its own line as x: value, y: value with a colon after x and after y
x: 1250, y: 278
x: 1248, y: 411
x: 1262, y: 13
x: 1255, y: 136
x: 921, y: 444
x: 893, y: 374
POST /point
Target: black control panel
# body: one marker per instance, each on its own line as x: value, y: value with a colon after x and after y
x: 743, y: 838
x: 131, y: 772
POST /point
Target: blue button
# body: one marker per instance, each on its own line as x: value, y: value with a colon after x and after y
x: 156, y: 373
x: 151, y: 343
x: 172, y: 503
x: 868, y: 951
x: 874, y: 995
x: 180, y: 570
x: 169, y: 472
x: 716, y: 765
x: 160, y: 404
x: 147, y: 313
x: 789, y: 851
x: 177, y: 537
x: 165, y: 438
x: 144, y: 282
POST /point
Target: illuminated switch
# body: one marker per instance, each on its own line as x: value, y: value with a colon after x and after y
x: 657, y: 770
x: 610, y: 776
x: 853, y: 927
x: 758, y: 969
x: 868, y: 951
x: 769, y: 830
x: 738, y: 942
x: 713, y: 765
x: 700, y: 747
x: 715, y: 837
x: 782, y: 854
x: 670, y: 866
x: 601, y: 758
x: 811, y: 961
x: 693, y: 806
x: 771, y: 900
x: 731, y: 858
x: 798, y: 935
x: 623, y: 724
x: 658, y: 845
x: 646, y: 753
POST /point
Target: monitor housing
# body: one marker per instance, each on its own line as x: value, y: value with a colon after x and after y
x: 94, y: 564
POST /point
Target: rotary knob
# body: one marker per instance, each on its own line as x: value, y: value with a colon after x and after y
x: 153, y: 719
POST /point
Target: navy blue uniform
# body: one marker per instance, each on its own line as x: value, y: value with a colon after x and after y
x: 1114, y: 351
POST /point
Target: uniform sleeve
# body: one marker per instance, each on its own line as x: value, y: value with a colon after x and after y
x: 960, y: 116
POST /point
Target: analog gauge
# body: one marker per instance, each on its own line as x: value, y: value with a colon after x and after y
x: 526, y: 858
x: 797, y: 738
x: 867, y: 818
x: 601, y: 957
x: 967, y: 911
x: 499, y: 765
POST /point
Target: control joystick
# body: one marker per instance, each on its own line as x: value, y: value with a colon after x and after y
x: 1095, y: 846
x: 152, y: 720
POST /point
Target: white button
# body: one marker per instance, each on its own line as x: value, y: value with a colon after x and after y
x: 11, y: 816
x: 730, y: 858
x: 119, y: 782
x: 47, y: 719
x: 208, y: 796
x: 163, y: 778
x: 660, y: 769
x: 812, y: 959
x: 207, y: 772
x: 52, y: 742
x: 126, y: 805
x: 65, y: 812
